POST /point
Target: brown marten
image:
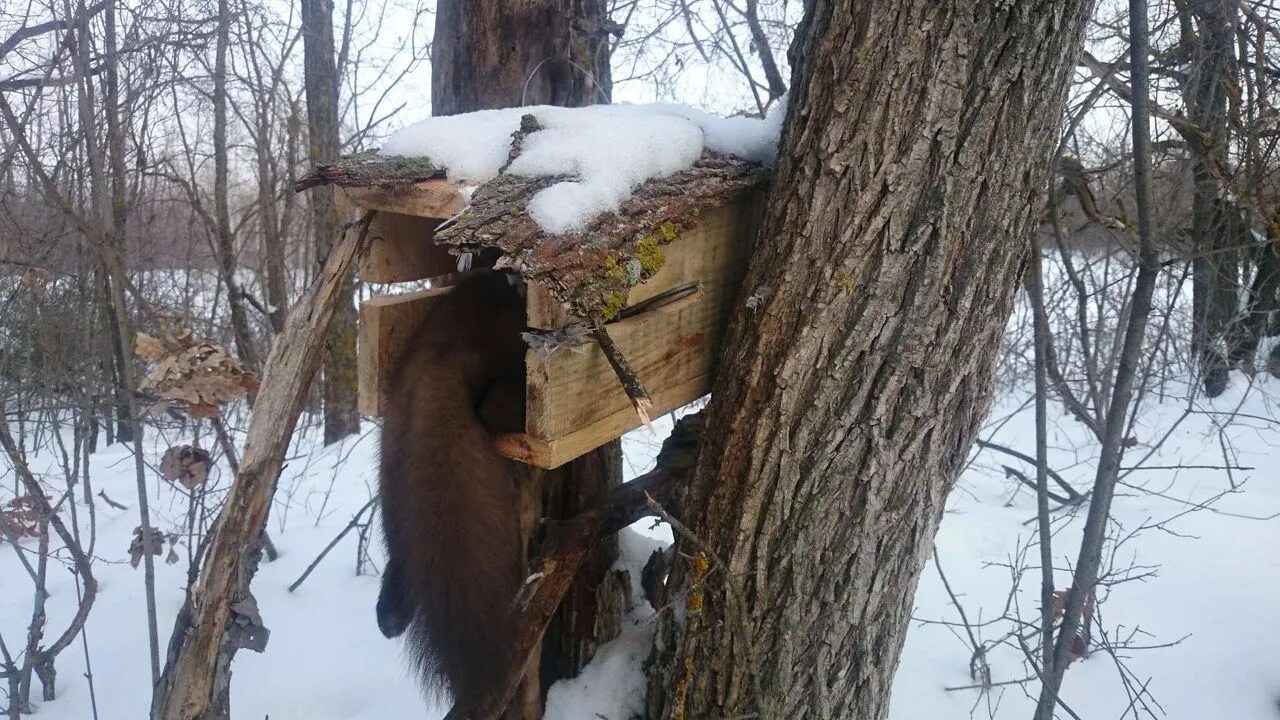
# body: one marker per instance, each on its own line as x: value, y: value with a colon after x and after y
x: 448, y: 499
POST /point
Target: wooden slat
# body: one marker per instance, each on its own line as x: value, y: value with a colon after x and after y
x: 575, y: 395
x: 554, y: 453
x: 712, y: 252
x: 438, y: 199
x: 574, y: 401
x: 704, y: 253
x: 386, y: 323
x: 402, y: 250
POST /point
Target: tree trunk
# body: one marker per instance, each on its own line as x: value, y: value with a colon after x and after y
x: 220, y: 614
x: 860, y: 361
x: 107, y: 235
x: 277, y: 274
x: 119, y: 215
x: 266, y: 149
x: 1210, y: 26
x: 485, y: 56
x: 340, y: 415
x: 223, y: 241
x: 498, y: 53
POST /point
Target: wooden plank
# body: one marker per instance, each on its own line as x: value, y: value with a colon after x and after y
x: 718, y: 245
x: 438, y: 199
x: 402, y: 250
x: 551, y: 454
x: 386, y: 323
x: 667, y: 347
x: 711, y: 252
x: 577, y: 395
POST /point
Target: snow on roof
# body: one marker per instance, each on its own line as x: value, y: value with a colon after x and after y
x: 591, y: 270
x: 601, y: 153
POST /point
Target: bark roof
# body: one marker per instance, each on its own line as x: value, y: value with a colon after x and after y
x: 590, y: 270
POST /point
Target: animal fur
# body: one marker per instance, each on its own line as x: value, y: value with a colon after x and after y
x: 448, y: 499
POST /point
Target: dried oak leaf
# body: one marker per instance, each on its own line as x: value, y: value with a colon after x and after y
x: 187, y: 465
x: 136, y: 547
x: 1079, y: 646
x: 148, y: 348
x: 22, y: 517
x: 201, y: 375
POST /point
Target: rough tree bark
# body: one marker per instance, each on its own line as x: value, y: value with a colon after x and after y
x: 493, y: 54
x: 224, y: 243
x: 502, y: 53
x: 859, y: 362
x: 1208, y: 30
x: 321, y: 78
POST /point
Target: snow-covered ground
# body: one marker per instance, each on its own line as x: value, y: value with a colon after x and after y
x: 1210, y: 575
x: 1217, y: 582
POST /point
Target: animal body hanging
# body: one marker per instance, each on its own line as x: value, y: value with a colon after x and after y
x: 448, y: 499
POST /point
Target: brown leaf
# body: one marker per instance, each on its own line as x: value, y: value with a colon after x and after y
x: 1079, y: 646
x: 200, y: 374
x: 1059, y: 604
x: 136, y: 547
x: 186, y: 464
x: 1078, y: 649
x: 147, y: 347
x: 22, y: 517
x: 203, y: 410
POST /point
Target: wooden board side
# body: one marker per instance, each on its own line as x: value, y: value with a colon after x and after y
x: 386, y: 324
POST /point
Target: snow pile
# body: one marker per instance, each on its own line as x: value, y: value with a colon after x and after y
x: 608, y: 150
x: 613, y: 684
x: 1215, y: 571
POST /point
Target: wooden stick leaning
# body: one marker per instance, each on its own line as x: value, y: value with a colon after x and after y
x: 220, y: 614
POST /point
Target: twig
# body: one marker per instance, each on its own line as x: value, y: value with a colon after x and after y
x: 355, y: 520
x: 989, y: 685
x: 79, y: 560
x: 1022, y: 478
x: 103, y: 494
x: 731, y: 590
x: 1072, y: 493
x: 630, y: 382
x: 12, y: 537
x: 978, y: 667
